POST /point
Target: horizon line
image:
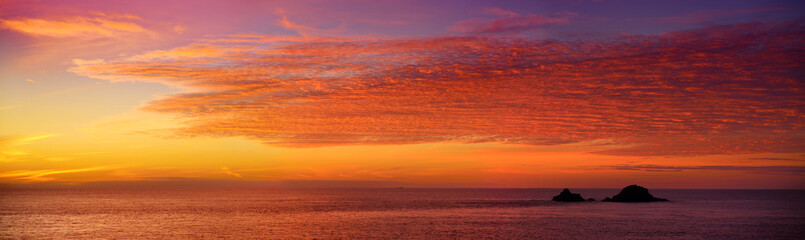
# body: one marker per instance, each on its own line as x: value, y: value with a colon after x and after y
x: 200, y: 183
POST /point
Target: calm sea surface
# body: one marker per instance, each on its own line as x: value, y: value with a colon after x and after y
x: 397, y: 213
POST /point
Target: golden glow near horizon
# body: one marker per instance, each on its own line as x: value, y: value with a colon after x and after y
x: 492, y: 97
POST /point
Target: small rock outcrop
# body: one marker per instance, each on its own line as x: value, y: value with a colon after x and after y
x: 634, y: 193
x: 567, y: 196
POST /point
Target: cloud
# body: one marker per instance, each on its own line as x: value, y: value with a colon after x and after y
x: 302, y: 29
x: 179, y: 28
x: 754, y: 169
x: 500, y: 12
x: 228, y: 171
x: 11, y: 147
x: 101, y: 26
x: 41, y: 175
x: 508, y: 21
x: 776, y: 159
x: 706, y: 16
x: 723, y: 90
x: 19, y: 141
x: 506, y: 171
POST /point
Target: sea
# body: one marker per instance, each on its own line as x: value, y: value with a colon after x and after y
x: 396, y: 213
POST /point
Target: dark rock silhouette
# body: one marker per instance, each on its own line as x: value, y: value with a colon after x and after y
x: 591, y: 199
x: 634, y: 193
x: 567, y: 196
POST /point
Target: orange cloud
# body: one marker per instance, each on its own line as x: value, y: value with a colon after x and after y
x: 42, y: 175
x: 723, y: 90
x: 101, y: 26
x: 787, y: 170
x: 229, y: 172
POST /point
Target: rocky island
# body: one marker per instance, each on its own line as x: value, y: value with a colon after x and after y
x: 567, y: 196
x: 634, y: 193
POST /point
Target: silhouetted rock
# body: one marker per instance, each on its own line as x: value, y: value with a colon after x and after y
x: 567, y: 196
x: 634, y: 193
x: 591, y: 199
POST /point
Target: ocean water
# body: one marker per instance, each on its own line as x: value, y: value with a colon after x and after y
x: 396, y: 214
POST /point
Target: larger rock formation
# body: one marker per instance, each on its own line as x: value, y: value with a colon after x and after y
x: 567, y: 196
x: 634, y: 193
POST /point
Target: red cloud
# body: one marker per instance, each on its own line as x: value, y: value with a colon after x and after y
x: 733, y: 89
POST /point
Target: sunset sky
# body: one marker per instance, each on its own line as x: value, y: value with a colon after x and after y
x: 579, y: 93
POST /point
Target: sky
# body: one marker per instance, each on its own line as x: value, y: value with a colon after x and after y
x: 545, y: 94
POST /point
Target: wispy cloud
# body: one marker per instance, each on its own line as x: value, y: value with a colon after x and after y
x: 42, y: 175
x: 500, y: 12
x: 722, y: 90
x: 511, y: 24
x: 755, y: 169
x: 776, y: 159
x: 229, y: 172
x: 508, y: 22
x: 302, y: 29
x: 11, y: 147
x: 706, y: 16
x: 19, y: 141
x: 100, y: 26
x: 506, y: 171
